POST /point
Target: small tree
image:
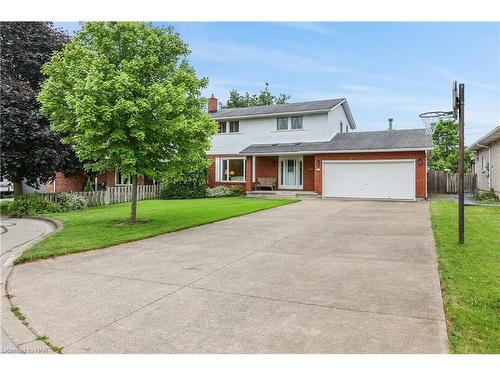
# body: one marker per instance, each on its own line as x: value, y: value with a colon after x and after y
x: 129, y: 100
x: 237, y: 100
x: 445, y: 149
x: 30, y: 150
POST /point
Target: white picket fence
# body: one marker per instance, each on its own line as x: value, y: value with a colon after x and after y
x: 117, y: 194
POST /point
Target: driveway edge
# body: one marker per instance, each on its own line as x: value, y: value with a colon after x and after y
x: 15, y: 326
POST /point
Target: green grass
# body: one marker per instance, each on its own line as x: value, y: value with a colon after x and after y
x: 469, y: 276
x: 96, y: 228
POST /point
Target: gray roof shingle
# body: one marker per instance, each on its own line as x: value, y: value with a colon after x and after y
x: 365, y: 141
x: 263, y: 110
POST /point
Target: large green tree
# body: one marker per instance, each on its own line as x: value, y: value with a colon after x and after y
x: 445, y: 148
x: 264, y: 97
x: 30, y: 150
x: 131, y: 103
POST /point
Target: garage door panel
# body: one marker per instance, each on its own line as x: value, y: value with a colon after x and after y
x: 369, y: 179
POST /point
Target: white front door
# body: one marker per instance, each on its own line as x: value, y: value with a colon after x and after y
x: 290, y: 172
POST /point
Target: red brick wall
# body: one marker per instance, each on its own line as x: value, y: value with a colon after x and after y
x: 77, y: 183
x: 420, y: 178
x: 66, y: 184
x: 308, y: 173
x: 266, y: 166
x: 248, y: 174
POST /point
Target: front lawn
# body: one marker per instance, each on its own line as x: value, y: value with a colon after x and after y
x: 469, y: 275
x: 96, y: 227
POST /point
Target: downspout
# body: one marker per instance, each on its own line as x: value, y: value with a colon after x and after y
x: 489, y: 163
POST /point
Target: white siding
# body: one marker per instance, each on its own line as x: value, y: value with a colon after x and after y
x: 335, y: 117
x: 482, y: 177
x: 315, y: 128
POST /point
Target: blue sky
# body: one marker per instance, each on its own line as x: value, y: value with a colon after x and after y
x: 383, y: 69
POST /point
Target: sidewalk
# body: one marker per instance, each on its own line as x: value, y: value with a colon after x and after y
x: 16, y: 235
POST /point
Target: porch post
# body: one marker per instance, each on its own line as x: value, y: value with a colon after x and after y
x: 253, y: 168
x: 248, y: 174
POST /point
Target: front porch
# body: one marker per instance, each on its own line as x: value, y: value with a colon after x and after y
x: 289, y: 174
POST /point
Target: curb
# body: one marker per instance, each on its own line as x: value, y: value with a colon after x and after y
x: 56, y: 226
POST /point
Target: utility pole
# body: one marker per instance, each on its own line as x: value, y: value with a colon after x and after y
x: 461, y: 118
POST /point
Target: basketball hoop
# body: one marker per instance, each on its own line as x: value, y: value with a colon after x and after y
x: 431, y: 119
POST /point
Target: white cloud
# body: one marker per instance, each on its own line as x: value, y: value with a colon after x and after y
x: 315, y: 27
x: 232, y: 53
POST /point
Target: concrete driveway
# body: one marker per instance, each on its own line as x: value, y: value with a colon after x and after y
x: 319, y: 276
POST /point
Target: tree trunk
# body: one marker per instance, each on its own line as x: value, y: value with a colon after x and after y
x: 133, y: 206
x: 18, y: 187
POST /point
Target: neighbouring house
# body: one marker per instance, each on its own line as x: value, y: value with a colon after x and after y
x: 486, y: 154
x: 311, y: 147
x: 77, y: 183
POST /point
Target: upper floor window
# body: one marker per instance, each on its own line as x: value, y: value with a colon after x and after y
x: 234, y: 126
x: 341, y: 127
x: 222, y: 126
x: 282, y: 123
x: 297, y: 122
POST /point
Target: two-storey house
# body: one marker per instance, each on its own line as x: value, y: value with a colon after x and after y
x: 312, y: 147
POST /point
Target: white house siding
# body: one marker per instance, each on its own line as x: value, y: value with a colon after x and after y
x: 315, y: 128
x: 482, y: 177
x: 335, y: 117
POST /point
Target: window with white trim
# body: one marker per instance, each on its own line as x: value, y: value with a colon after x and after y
x: 282, y: 123
x: 222, y: 126
x: 341, y: 127
x: 234, y: 126
x: 230, y: 170
x: 297, y: 122
x: 483, y: 164
x: 122, y: 179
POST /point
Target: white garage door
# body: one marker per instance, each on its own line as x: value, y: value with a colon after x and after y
x: 387, y: 179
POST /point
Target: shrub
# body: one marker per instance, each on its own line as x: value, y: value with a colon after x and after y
x: 189, y: 186
x: 4, y: 206
x: 88, y: 186
x: 218, y: 191
x: 32, y: 204
x: 486, y: 196
x: 72, y: 201
x: 237, y: 190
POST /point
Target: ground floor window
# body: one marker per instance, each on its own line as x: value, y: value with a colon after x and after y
x: 230, y: 169
x: 121, y: 179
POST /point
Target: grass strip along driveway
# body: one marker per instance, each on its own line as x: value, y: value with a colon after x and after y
x: 97, y: 227
x: 469, y: 275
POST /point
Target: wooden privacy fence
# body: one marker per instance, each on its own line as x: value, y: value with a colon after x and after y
x: 447, y: 182
x: 117, y: 194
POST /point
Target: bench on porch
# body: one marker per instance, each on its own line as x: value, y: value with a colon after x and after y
x: 267, y: 182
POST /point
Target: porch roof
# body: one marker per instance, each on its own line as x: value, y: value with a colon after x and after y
x: 386, y: 140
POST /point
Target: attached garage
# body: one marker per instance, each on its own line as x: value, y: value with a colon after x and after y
x: 381, y: 179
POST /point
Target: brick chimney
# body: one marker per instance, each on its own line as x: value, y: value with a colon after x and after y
x: 212, y: 104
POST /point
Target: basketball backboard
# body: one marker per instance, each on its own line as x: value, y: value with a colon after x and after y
x: 454, y: 99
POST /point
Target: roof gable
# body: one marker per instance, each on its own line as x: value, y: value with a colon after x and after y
x: 492, y: 136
